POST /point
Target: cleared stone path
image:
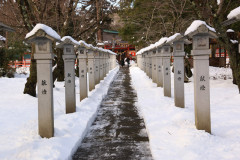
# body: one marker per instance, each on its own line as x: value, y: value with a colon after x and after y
x: 118, y: 132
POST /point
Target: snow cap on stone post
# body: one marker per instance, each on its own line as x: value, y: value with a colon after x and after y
x: 67, y: 40
x: 42, y: 31
x: 177, y: 37
x: 200, y: 27
x: 160, y: 43
x: 83, y: 44
x: 235, y: 13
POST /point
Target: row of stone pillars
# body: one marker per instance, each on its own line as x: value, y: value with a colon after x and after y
x: 155, y: 61
x: 95, y: 61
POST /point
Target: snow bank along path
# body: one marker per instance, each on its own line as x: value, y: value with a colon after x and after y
x: 19, y: 137
x: 171, y: 130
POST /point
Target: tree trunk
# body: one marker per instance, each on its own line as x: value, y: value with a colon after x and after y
x: 58, y: 72
x: 77, y: 69
x: 232, y: 49
x: 30, y: 86
x: 235, y: 64
x: 233, y: 74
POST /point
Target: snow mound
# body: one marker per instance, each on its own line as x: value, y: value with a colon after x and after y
x: 2, y: 38
x: 45, y: 28
x: 195, y: 24
x: 23, y: 70
x: 234, y: 13
x: 234, y: 41
x: 220, y: 73
x: 230, y: 30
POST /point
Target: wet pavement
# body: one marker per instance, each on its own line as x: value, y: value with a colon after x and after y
x: 118, y: 132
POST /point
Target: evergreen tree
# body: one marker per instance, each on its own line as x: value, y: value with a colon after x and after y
x: 146, y: 21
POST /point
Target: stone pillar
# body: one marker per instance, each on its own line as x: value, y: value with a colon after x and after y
x: 113, y: 61
x: 82, y: 58
x: 159, y: 68
x: 144, y: 62
x: 166, y: 71
x: 201, y: 54
x: 178, y: 53
x: 101, y: 65
x: 147, y: 64
x: 97, y: 73
x: 139, y: 61
x: 44, y: 59
x: 107, y: 62
x: 110, y: 62
x: 154, y: 67
x: 69, y: 69
x: 150, y: 64
x: 91, y: 68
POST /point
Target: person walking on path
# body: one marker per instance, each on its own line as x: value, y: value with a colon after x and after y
x: 128, y: 61
x: 122, y: 60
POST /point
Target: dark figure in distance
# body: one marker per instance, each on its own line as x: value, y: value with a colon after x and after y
x: 122, y: 60
x: 128, y: 61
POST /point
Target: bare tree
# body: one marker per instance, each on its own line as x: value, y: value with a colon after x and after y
x: 68, y: 17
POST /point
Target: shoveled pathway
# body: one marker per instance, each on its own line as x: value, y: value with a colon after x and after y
x: 118, y: 132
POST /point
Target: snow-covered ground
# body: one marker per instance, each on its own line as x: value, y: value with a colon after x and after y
x: 19, y: 139
x: 171, y: 130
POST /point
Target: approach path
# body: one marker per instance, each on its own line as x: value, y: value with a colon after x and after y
x: 118, y: 132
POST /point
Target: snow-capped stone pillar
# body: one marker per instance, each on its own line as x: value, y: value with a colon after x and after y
x: 43, y: 54
x: 154, y: 66
x: 69, y: 58
x: 113, y: 61
x: 150, y: 64
x: 82, y: 58
x: 147, y: 64
x: 178, y: 54
x: 144, y: 62
x: 101, y: 60
x: 201, y: 52
x: 166, y: 53
x: 108, y: 63
x: 91, y: 69
x: 140, y: 61
x: 96, y: 72
x: 159, y: 67
x: 103, y: 65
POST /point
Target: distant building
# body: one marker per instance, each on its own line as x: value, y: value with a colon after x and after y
x: 112, y: 41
